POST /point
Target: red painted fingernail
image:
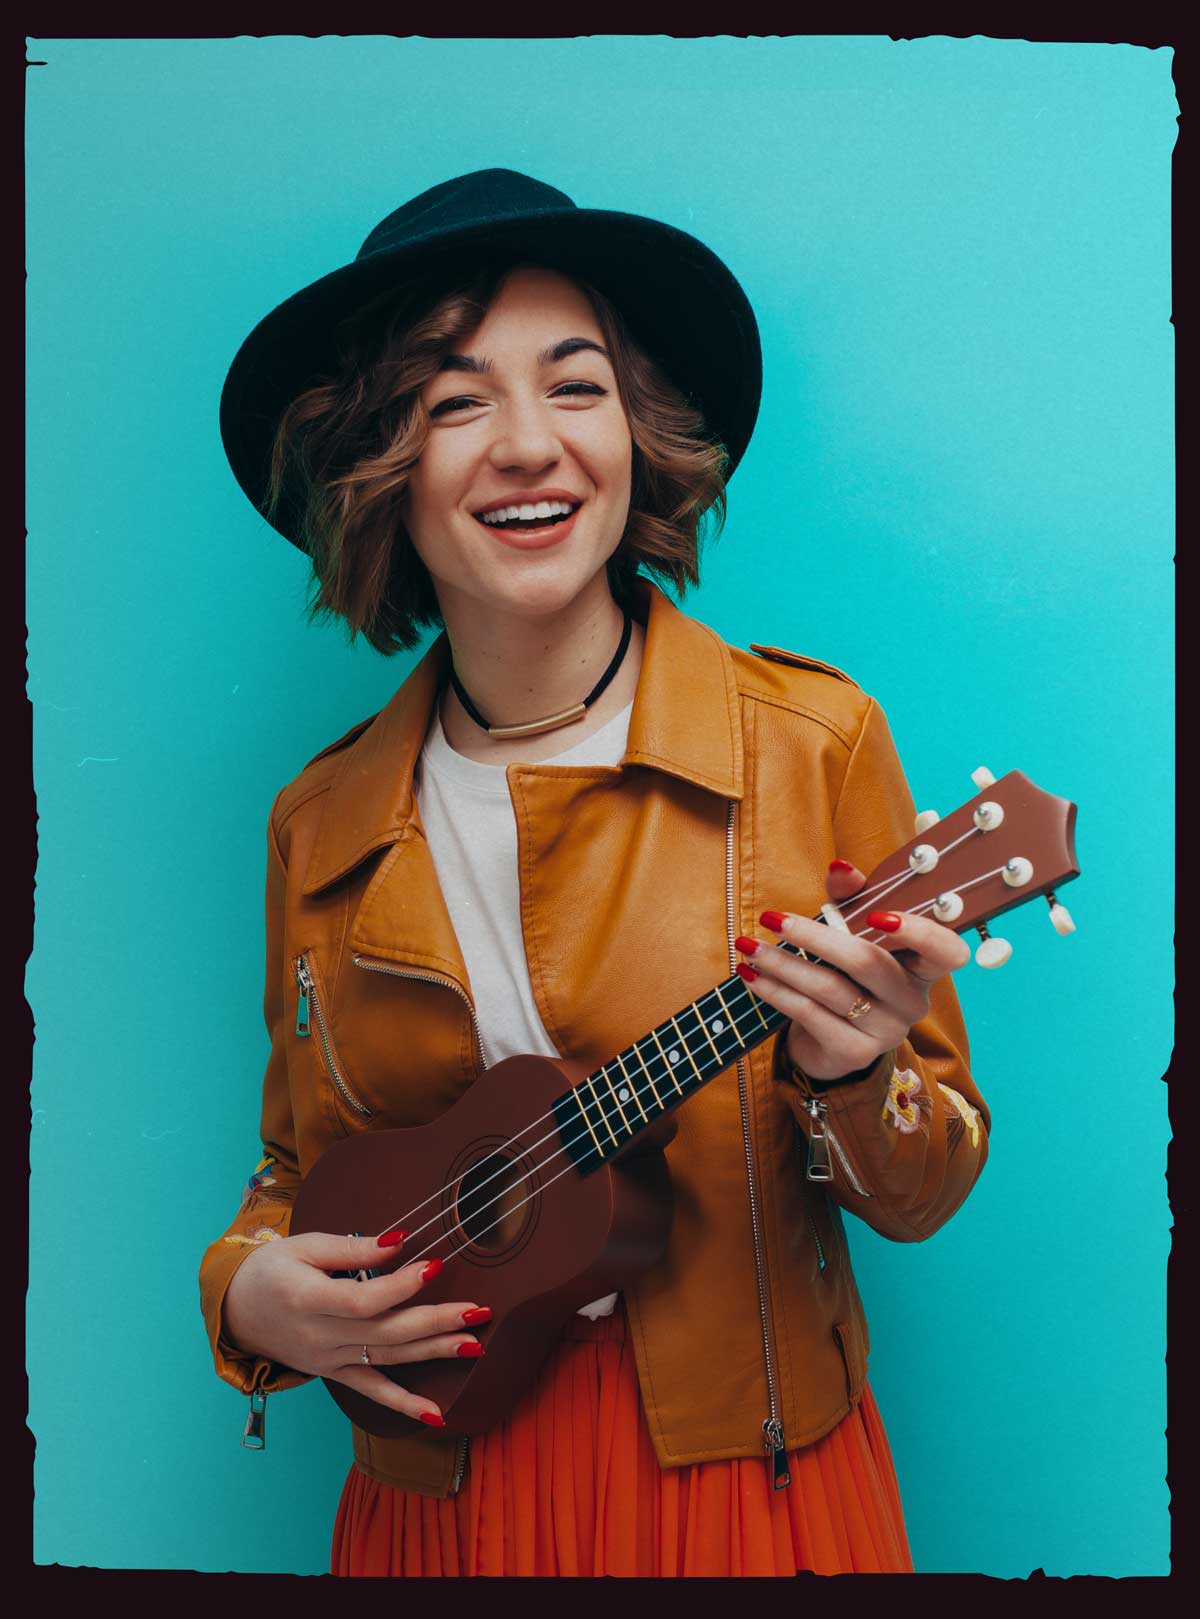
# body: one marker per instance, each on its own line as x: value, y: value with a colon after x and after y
x: 840, y: 865
x: 432, y: 1418
x: 467, y: 1351
x: 431, y: 1270
x: 886, y: 921
x: 748, y: 945
x: 773, y: 920
x: 472, y: 1318
x: 748, y: 973
x: 391, y: 1238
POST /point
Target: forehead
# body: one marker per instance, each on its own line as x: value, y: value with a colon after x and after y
x: 536, y: 293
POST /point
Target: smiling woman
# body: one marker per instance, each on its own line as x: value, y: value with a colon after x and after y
x: 497, y: 440
x: 354, y: 442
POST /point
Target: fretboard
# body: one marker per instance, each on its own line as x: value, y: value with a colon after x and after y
x: 600, y: 1115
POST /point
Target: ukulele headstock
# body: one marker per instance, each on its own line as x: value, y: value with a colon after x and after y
x: 1009, y: 844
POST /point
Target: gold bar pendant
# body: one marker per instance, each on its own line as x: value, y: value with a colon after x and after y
x: 534, y: 727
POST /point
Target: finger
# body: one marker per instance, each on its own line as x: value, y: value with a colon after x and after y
x: 871, y: 971
x: 930, y: 948
x: 903, y: 999
x: 381, y: 1389
x: 842, y: 880
x: 443, y: 1346
x: 844, y: 1046
x: 330, y: 1252
x: 416, y: 1321
x: 339, y: 1296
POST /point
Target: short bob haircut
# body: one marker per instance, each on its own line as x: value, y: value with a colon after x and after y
x: 345, y: 448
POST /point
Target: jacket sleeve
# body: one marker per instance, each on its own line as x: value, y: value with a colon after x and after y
x: 908, y: 1139
x: 266, y: 1207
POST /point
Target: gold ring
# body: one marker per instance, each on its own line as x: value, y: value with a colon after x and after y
x: 860, y: 1006
x: 365, y: 1358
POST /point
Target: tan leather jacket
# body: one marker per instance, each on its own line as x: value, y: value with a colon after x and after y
x: 745, y: 773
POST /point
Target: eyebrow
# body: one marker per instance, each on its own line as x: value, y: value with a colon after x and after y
x: 551, y: 356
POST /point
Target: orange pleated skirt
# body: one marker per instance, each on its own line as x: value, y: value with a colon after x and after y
x: 569, y: 1485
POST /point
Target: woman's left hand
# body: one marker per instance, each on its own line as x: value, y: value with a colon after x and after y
x: 863, y: 1002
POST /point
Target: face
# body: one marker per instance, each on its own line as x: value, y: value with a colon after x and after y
x: 515, y: 421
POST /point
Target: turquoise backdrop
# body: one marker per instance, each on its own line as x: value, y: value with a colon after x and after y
x: 960, y: 490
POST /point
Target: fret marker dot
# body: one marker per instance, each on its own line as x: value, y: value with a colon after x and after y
x: 717, y: 1025
x: 623, y: 1094
x: 673, y: 1054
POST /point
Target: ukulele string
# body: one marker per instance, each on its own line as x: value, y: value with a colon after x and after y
x: 880, y: 889
x: 864, y: 899
x: 606, y: 1116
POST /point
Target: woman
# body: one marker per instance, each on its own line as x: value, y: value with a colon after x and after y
x: 561, y: 826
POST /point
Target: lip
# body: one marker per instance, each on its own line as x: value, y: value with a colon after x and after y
x: 533, y: 539
x: 530, y: 497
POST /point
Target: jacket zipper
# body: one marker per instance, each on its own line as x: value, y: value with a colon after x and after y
x: 812, y: 1226
x: 308, y: 994
x: 460, y: 1449
x: 772, y: 1427
x: 821, y: 1140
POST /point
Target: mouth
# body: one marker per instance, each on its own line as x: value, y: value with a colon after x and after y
x: 531, y: 533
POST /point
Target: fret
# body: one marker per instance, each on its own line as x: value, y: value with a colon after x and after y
x: 658, y: 1099
x: 663, y: 1055
x: 604, y: 1075
x: 707, y: 1036
x: 731, y: 1019
x: 603, y: 1114
x: 688, y: 1049
x: 587, y: 1121
x: 632, y: 1089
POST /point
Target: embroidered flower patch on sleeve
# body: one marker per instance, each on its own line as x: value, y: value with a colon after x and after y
x: 251, y: 1239
x: 969, y: 1114
x: 907, y: 1104
x: 261, y: 1177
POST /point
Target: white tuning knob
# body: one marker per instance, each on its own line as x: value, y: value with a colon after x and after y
x: 834, y: 917
x: 1060, y: 917
x: 993, y: 952
x: 982, y: 777
x: 925, y: 820
x: 1018, y: 871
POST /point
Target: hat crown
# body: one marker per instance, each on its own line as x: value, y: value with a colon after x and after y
x: 485, y: 196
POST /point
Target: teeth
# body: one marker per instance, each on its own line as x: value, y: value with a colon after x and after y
x: 543, y: 508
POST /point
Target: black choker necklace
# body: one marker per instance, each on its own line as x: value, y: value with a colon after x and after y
x: 552, y: 721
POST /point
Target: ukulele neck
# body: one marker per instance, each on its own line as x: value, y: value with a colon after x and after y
x: 605, y: 1111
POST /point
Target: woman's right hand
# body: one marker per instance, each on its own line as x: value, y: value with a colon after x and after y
x: 281, y: 1304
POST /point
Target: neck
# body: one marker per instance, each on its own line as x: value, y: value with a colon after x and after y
x: 516, y: 669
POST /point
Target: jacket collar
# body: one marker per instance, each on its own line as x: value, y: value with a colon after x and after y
x: 684, y: 721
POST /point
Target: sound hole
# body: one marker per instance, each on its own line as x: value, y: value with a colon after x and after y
x: 491, y: 1205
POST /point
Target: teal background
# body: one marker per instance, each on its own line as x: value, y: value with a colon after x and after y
x: 960, y: 490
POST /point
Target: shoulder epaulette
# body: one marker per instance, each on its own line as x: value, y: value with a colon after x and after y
x: 343, y: 741
x: 782, y: 655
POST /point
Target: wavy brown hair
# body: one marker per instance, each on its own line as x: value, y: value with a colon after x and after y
x: 345, y: 447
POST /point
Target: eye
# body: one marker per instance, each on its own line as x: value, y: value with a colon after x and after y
x: 446, y: 406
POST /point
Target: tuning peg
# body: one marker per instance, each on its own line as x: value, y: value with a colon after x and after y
x: 1060, y: 917
x: 982, y: 777
x: 925, y: 820
x: 992, y: 952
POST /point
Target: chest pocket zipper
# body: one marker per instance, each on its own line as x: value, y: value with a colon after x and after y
x: 309, y: 1003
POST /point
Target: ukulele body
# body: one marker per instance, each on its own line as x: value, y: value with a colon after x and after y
x: 533, y: 1247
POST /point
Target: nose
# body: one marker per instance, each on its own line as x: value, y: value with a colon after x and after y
x: 524, y: 436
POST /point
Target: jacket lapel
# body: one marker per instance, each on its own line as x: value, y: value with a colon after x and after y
x: 684, y: 721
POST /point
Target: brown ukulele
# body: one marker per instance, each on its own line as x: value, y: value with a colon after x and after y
x: 547, y: 1185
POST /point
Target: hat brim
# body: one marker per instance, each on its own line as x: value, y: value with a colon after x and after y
x: 680, y: 302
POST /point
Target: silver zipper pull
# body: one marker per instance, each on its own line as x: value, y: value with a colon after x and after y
x: 773, y: 1435
x: 254, y: 1435
x: 305, y: 982
x: 819, y: 1166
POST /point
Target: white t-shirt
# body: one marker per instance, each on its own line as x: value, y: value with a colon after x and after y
x: 469, y: 822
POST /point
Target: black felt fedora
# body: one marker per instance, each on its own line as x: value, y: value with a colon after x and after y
x: 681, y: 303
